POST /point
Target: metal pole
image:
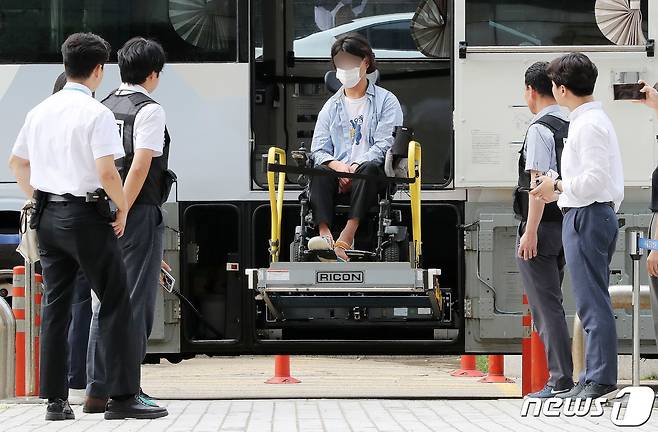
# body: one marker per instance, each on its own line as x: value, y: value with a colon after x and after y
x: 636, y: 255
x: 8, y: 358
x: 30, y: 289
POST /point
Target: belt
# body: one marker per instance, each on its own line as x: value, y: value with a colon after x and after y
x: 66, y: 198
x: 608, y: 203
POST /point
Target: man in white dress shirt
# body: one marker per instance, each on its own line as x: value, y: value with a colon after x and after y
x: 589, y: 194
x: 63, y: 154
x: 144, y: 171
x: 651, y: 101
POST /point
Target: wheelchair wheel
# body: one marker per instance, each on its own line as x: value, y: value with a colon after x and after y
x: 391, y: 253
x: 295, y: 253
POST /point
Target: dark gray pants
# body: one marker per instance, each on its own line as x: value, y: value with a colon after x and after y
x: 74, y: 236
x: 142, y: 248
x: 542, y: 280
x: 653, y: 285
x: 589, y: 235
x: 653, y: 288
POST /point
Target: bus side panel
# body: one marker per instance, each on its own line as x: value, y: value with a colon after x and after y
x: 487, y: 145
x: 493, y: 303
x: 166, y: 332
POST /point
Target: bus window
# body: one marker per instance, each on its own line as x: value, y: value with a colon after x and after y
x: 539, y: 23
x: 392, y: 36
x: 386, y: 23
x: 32, y: 31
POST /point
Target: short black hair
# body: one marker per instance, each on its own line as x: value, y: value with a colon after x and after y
x: 576, y: 72
x: 138, y: 58
x: 82, y: 52
x: 60, y: 82
x: 537, y: 78
x: 357, y: 45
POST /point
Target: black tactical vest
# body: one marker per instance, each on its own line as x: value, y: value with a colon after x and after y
x: 552, y: 213
x: 125, y: 108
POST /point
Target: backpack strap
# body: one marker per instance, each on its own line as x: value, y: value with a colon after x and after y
x: 552, y: 122
x: 560, y: 129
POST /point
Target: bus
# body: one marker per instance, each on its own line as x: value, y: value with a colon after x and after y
x: 245, y: 75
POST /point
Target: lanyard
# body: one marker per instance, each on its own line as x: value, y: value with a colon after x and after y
x: 75, y: 89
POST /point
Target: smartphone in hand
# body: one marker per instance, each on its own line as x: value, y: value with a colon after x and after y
x: 628, y: 91
x: 550, y: 173
x: 167, y: 281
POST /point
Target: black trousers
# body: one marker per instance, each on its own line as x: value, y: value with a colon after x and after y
x: 141, y: 249
x: 78, y: 333
x: 74, y: 236
x: 363, y: 196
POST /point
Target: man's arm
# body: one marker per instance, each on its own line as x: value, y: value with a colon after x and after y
x: 539, y: 148
x: 19, y: 161
x: 651, y: 98
x: 652, y: 258
x: 149, y: 133
x: 21, y: 169
x: 111, y: 181
x: 137, y: 174
x: 535, y: 207
x: 528, y: 242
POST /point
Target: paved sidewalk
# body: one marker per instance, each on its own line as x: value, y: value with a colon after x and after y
x: 320, y: 415
x: 363, y: 377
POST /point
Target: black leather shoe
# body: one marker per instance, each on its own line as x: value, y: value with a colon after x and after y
x: 94, y: 405
x: 144, y: 395
x: 59, y: 409
x: 133, y: 408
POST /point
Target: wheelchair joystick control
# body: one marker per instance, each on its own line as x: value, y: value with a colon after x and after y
x: 300, y: 156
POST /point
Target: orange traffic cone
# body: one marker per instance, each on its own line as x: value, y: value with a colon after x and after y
x: 496, y: 371
x: 467, y: 367
x: 526, y: 350
x: 539, y: 363
x: 282, y: 371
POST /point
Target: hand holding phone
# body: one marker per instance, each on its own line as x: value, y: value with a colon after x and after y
x: 167, y: 281
x: 628, y: 91
x: 650, y: 95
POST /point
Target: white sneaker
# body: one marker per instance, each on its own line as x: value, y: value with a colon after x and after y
x: 319, y: 243
x: 77, y: 396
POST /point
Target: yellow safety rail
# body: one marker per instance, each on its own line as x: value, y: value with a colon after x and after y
x: 414, y: 166
x: 276, y: 199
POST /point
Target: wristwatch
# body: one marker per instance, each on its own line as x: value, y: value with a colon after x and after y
x: 555, y: 188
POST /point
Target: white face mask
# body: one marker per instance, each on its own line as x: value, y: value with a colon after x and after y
x: 349, y: 77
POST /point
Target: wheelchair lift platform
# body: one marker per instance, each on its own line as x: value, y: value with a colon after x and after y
x: 286, y: 287
x: 324, y: 277
x: 301, y: 291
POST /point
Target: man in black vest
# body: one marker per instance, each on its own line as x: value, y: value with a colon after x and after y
x: 141, y: 123
x: 63, y: 155
x: 540, y: 254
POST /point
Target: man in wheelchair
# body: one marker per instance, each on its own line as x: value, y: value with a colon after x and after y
x: 353, y: 133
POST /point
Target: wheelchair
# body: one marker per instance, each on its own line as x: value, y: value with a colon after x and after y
x: 383, y: 235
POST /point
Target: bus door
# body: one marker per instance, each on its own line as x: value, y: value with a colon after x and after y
x: 292, y: 43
